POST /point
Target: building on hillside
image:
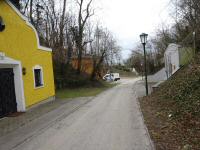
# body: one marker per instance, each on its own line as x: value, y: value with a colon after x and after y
x: 176, y: 56
x: 172, y: 60
x: 26, y: 72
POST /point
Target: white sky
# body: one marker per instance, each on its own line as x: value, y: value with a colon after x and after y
x: 127, y: 19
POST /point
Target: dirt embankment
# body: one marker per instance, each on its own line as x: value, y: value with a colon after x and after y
x: 172, y: 113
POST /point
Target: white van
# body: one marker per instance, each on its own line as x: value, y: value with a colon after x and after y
x: 111, y: 77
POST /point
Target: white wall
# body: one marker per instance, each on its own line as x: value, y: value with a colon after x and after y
x: 175, y: 61
x: 172, y: 59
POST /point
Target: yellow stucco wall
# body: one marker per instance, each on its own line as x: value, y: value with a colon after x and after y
x: 19, y: 42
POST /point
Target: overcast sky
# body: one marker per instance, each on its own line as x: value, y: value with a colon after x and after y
x: 127, y: 19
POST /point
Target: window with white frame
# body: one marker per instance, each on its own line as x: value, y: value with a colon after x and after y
x: 38, y: 76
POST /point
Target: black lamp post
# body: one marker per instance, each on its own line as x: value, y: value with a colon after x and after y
x: 143, y: 38
x: 142, y: 70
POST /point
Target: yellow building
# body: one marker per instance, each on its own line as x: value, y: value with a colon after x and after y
x: 26, y: 72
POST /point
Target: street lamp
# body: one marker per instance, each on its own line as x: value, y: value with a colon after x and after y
x: 143, y: 38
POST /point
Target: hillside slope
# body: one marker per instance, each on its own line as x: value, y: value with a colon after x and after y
x: 172, y: 113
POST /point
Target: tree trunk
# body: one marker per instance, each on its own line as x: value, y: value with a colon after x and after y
x: 31, y: 11
x: 79, y: 60
x: 97, y: 66
x: 93, y: 76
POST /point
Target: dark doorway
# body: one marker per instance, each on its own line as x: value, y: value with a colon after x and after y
x: 8, y: 103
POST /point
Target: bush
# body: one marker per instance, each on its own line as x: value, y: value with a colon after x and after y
x: 70, y: 83
x: 122, y: 68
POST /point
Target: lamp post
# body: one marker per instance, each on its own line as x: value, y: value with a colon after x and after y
x: 143, y: 38
x: 142, y: 70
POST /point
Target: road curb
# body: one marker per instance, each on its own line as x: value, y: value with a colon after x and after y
x: 143, y: 120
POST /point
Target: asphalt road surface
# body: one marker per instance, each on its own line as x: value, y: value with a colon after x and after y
x: 110, y: 121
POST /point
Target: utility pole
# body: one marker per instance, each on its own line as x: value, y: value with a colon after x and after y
x: 176, y: 20
x: 194, y: 42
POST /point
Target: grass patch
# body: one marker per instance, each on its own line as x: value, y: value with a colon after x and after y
x: 83, y: 91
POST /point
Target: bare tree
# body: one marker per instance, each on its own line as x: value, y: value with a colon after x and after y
x: 67, y: 32
x: 83, y: 15
x: 104, y: 50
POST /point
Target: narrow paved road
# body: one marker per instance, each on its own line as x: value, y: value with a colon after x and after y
x: 111, y: 121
